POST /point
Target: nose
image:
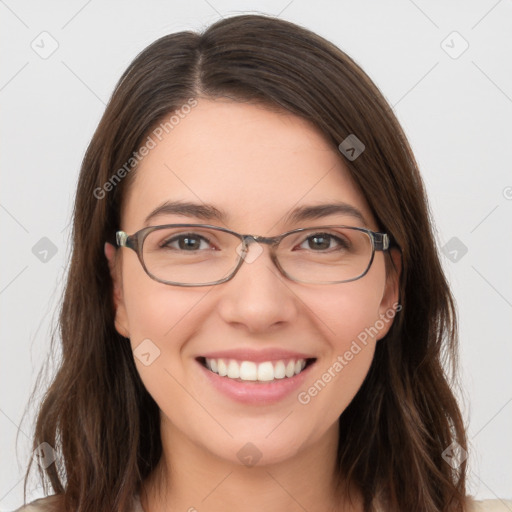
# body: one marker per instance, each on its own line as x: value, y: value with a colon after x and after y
x: 258, y: 297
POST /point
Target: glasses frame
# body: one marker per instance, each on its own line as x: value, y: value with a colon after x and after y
x: 380, y: 242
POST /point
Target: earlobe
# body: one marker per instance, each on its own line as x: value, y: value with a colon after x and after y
x: 117, y: 290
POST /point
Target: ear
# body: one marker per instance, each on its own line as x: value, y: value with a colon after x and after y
x: 114, y: 264
x: 389, y: 304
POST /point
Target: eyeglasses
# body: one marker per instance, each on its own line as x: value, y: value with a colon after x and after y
x: 204, y: 255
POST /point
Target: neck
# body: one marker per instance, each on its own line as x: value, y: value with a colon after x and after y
x: 189, y: 478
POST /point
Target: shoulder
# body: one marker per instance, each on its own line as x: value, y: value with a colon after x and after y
x: 51, y: 504
x: 47, y: 504
x: 489, y: 505
x: 54, y: 504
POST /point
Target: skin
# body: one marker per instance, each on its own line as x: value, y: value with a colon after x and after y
x: 256, y: 165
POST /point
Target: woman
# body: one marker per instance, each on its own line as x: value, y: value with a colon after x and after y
x: 255, y: 310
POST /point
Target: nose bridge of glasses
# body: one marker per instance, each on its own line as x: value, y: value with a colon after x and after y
x: 260, y: 239
x: 244, y: 250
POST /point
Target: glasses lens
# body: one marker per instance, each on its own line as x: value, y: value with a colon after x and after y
x: 190, y: 255
x: 325, y: 255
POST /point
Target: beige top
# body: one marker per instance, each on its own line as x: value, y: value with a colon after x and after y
x: 45, y: 505
x: 48, y: 504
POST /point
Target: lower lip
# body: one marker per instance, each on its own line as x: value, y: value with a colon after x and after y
x: 255, y: 392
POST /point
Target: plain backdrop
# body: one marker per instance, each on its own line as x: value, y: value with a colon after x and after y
x: 444, y: 66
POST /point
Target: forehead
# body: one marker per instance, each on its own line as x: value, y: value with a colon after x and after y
x: 252, y: 163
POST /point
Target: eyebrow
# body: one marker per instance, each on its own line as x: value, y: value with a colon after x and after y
x: 187, y: 209
x: 209, y: 212
x: 324, y: 210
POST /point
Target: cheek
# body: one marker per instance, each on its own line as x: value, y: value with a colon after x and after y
x: 160, y: 318
x: 154, y: 309
x: 347, y: 311
x: 348, y: 316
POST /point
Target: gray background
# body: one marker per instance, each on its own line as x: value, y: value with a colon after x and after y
x: 455, y: 108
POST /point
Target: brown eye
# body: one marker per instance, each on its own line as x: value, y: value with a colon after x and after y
x: 187, y: 242
x: 324, y: 241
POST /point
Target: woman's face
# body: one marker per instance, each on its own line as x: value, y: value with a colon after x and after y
x: 257, y: 167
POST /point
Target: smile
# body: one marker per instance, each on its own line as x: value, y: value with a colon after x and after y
x: 255, y: 377
x: 264, y: 371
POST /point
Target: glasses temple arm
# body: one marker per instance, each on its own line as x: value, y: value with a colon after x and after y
x: 381, y: 241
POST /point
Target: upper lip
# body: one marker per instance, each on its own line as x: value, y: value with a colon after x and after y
x: 258, y: 356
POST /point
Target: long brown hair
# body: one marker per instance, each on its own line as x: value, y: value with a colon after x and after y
x: 97, y: 414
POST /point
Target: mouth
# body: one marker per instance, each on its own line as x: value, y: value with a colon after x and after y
x: 256, y: 372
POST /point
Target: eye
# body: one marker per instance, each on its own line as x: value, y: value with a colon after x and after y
x: 324, y: 241
x: 186, y: 242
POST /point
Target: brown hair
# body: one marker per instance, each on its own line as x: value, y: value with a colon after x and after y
x: 97, y: 413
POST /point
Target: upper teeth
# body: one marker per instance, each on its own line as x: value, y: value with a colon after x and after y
x: 249, y: 370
